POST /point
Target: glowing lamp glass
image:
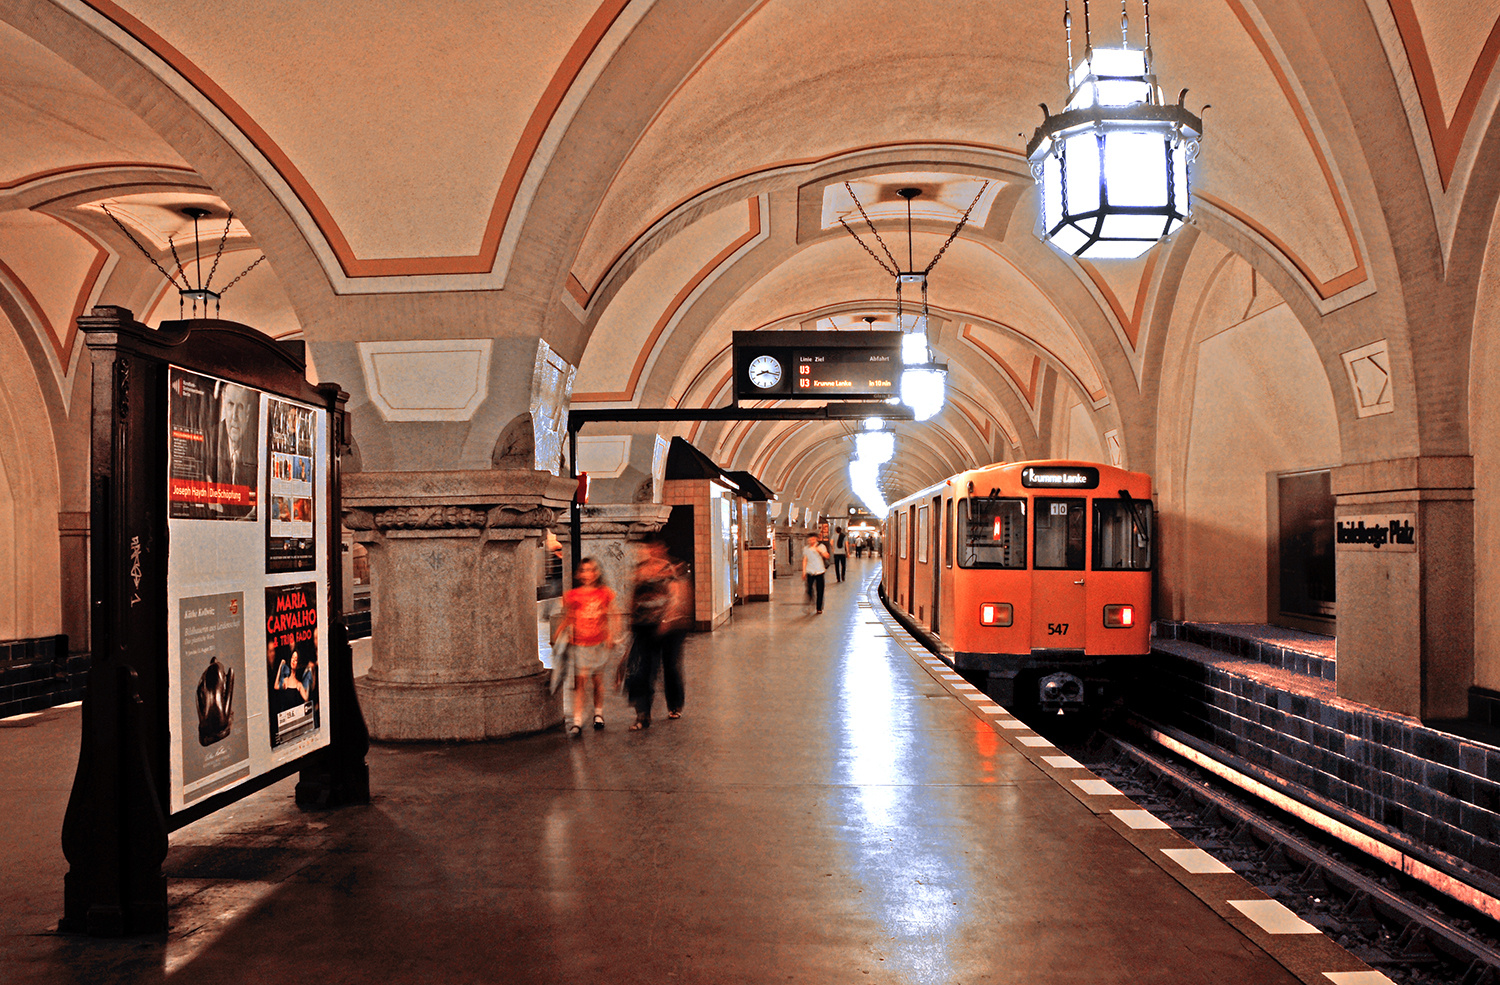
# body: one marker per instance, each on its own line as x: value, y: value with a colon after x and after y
x: 996, y: 614
x: 1119, y: 616
x: 922, y: 389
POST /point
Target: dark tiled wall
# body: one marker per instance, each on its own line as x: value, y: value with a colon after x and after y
x: 1236, y: 646
x: 1440, y: 790
x: 38, y: 673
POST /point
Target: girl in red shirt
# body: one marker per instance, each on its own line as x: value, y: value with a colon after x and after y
x: 590, y: 616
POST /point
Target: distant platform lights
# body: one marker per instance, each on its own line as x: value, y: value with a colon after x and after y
x: 1115, y: 167
x: 873, y: 447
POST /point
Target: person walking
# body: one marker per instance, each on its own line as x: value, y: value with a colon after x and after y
x: 814, y: 564
x: 840, y: 554
x: 657, y: 621
x: 592, y: 622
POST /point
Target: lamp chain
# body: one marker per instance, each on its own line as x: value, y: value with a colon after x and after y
x: 170, y: 279
x: 873, y: 231
x: 964, y: 221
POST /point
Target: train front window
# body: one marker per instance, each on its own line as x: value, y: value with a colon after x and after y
x: 1122, y: 535
x: 992, y: 532
x: 1061, y: 525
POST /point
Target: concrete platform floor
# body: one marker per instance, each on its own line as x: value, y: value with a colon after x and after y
x: 825, y: 811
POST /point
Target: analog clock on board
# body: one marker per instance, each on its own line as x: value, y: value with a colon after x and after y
x: 765, y: 371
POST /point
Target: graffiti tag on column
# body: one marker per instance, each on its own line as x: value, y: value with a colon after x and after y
x: 1392, y: 532
x: 135, y: 568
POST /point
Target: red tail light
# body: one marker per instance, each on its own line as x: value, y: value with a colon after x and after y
x: 1119, y: 616
x: 996, y: 614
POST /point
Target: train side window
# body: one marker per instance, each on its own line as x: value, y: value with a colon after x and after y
x: 904, y: 537
x: 922, y: 534
x: 1122, y: 535
x: 948, y: 533
x: 1061, y: 525
x: 993, y: 533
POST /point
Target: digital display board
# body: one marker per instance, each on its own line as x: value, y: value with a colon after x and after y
x: 816, y: 365
x: 1060, y: 477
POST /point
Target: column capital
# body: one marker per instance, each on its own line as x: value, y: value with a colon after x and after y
x: 1402, y: 475
x: 491, y: 499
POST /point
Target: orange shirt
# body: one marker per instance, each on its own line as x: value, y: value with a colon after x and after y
x: 590, y: 609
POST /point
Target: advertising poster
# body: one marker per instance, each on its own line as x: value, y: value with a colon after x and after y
x: 291, y: 540
x: 214, y: 448
x: 214, y: 737
x: 292, y: 674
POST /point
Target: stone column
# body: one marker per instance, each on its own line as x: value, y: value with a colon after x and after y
x: 453, y: 564
x: 1404, y: 555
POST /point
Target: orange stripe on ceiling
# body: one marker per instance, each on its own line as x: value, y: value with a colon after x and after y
x: 1447, y: 135
x: 983, y: 429
x: 1349, y: 278
x: 762, y: 169
x: 1028, y: 389
x: 1131, y: 323
x: 666, y: 316
x: 531, y: 137
x: 101, y: 166
x: 62, y: 343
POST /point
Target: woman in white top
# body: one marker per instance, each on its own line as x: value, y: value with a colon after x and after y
x: 814, y: 564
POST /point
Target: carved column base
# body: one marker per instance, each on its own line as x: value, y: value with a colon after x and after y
x: 453, y: 604
x: 467, y: 711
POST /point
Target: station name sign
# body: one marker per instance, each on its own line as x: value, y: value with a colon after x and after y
x: 1059, y: 477
x: 816, y: 365
x: 1383, y: 532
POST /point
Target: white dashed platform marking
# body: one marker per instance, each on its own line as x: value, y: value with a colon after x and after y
x: 1062, y: 762
x: 992, y: 709
x: 1196, y: 861
x: 1034, y: 741
x: 21, y: 717
x: 1357, y: 978
x: 950, y: 677
x: 1012, y: 723
x: 1141, y: 820
x: 1272, y: 917
x: 1098, y: 788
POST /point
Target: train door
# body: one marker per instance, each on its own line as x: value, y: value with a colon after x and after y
x: 909, y: 551
x: 937, y: 567
x: 1059, y: 603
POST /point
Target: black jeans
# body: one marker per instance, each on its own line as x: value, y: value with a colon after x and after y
x: 652, y: 651
x: 815, y: 586
x: 840, y: 565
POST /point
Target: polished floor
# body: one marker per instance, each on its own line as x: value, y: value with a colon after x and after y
x: 828, y: 809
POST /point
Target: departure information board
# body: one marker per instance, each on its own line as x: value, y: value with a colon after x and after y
x: 816, y: 365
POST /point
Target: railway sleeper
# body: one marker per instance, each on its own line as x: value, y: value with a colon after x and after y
x: 1480, y: 973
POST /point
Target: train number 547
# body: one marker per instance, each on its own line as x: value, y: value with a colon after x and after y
x: 1057, y: 629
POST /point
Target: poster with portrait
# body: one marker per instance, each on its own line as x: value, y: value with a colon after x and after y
x: 293, y: 675
x: 291, y: 538
x: 213, y: 448
x: 214, y: 733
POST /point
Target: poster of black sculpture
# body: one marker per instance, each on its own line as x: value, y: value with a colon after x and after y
x: 214, y: 737
x: 292, y: 672
x: 214, y: 448
x: 291, y: 540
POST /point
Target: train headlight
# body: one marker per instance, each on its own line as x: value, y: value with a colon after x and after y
x: 996, y: 614
x: 1119, y: 616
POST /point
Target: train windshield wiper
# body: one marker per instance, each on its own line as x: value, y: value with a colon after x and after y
x: 1135, y: 518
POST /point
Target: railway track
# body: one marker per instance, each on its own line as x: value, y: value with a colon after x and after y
x: 1394, y: 924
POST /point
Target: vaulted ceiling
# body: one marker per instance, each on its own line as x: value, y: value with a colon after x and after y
x: 635, y: 180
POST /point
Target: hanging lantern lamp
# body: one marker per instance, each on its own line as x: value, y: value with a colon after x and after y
x: 1115, y: 166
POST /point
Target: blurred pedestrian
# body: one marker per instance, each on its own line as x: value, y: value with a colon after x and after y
x: 593, y: 625
x: 840, y: 554
x: 814, y: 563
x: 658, y: 619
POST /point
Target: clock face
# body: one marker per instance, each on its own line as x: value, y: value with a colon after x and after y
x: 765, y: 371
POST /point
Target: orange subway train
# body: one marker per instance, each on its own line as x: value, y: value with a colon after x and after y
x: 1034, y: 577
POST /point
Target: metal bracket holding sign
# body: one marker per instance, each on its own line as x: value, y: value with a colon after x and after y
x: 817, y: 365
x: 220, y: 663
